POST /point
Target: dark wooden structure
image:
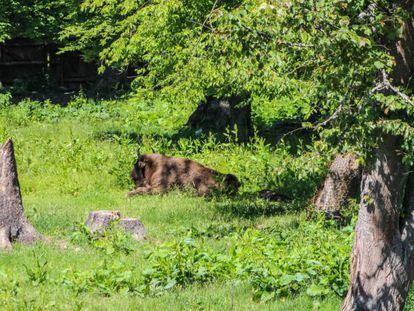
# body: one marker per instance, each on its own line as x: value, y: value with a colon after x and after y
x: 27, y: 59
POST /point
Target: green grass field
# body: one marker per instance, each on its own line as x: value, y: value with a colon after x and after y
x: 254, y: 255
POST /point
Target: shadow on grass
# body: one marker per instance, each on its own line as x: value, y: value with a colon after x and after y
x: 112, y: 134
x: 250, y: 206
x: 40, y: 88
x: 172, y: 139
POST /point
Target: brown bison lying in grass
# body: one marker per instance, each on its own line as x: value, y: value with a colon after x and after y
x: 156, y: 173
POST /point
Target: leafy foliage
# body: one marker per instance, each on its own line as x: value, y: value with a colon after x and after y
x: 303, y: 58
x: 110, y: 241
x: 277, y: 262
x: 185, y: 262
x: 38, y: 274
x: 34, y: 19
x: 107, y: 278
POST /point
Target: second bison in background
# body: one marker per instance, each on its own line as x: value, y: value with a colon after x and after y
x: 156, y: 173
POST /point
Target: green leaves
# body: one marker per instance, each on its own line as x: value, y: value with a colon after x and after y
x: 35, y: 19
x: 108, y: 277
x: 315, y: 290
x: 379, y: 65
x: 277, y: 262
x: 292, y: 60
x: 39, y: 273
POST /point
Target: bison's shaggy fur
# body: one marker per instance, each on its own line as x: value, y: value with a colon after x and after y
x: 156, y: 173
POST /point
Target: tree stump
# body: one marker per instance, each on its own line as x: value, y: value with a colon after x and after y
x: 14, y: 225
x: 98, y: 221
x: 343, y: 177
x: 218, y: 114
x: 134, y: 227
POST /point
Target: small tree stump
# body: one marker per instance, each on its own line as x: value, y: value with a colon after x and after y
x: 14, y: 225
x: 98, y: 221
x: 342, y: 179
x: 134, y: 227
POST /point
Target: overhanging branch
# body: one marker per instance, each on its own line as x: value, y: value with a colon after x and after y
x: 385, y: 84
x: 330, y: 119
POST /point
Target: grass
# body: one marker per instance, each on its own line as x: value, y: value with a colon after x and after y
x: 70, y: 164
x: 55, y: 216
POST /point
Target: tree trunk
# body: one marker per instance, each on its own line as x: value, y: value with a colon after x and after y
x: 378, y: 273
x: 340, y: 183
x: 14, y: 226
x: 407, y: 225
x: 382, y: 259
x: 218, y: 114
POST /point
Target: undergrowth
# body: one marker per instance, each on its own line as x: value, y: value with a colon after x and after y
x: 121, y: 128
x: 78, y: 157
x: 277, y: 262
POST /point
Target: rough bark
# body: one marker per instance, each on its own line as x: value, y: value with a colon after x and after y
x: 14, y: 225
x: 407, y: 225
x: 382, y: 257
x: 403, y: 52
x: 339, y: 184
x: 218, y: 114
x: 378, y: 273
x: 98, y: 221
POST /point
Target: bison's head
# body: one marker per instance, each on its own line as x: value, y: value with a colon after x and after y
x: 138, y: 173
x: 232, y: 183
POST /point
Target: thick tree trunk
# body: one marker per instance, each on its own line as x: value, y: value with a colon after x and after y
x: 379, y: 279
x: 342, y: 178
x: 407, y: 225
x: 218, y: 114
x: 382, y: 260
x: 14, y: 226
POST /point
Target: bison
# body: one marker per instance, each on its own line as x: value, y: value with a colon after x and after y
x: 157, y: 173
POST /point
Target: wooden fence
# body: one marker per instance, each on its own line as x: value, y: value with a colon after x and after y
x: 26, y: 59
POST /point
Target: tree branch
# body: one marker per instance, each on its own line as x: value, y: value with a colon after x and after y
x: 385, y: 84
x: 331, y: 118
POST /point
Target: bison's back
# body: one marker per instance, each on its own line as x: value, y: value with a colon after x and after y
x: 185, y: 172
x: 167, y: 172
